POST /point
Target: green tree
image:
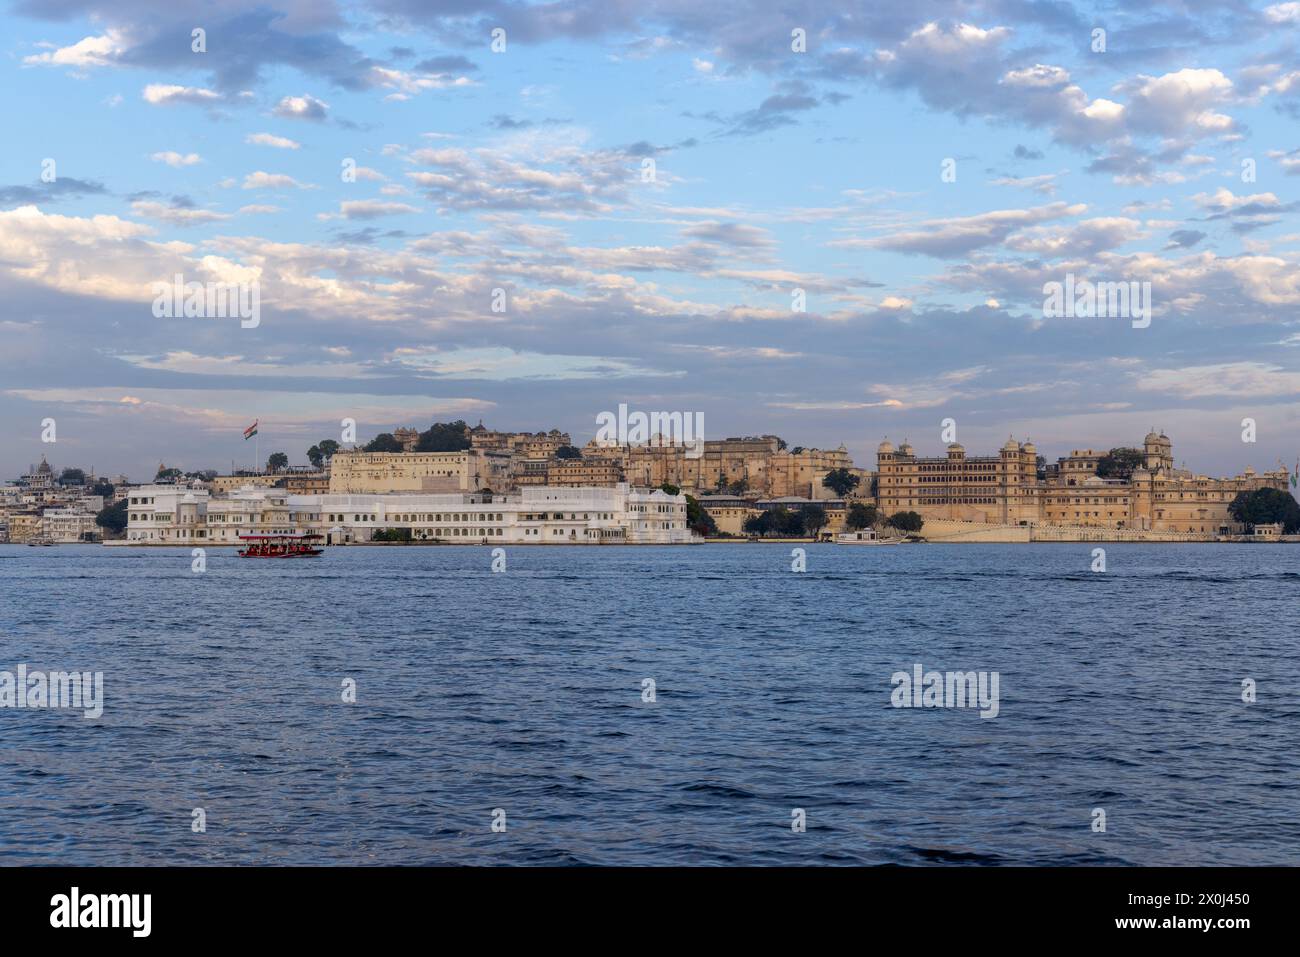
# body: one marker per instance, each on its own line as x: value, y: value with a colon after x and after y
x: 841, y: 481
x: 277, y: 462
x: 1263, y: 506
x: 738, y: 487
x: 787, y: 523
x: 814, y: 519
x: 167, y: 475
x: 113, y: 519
x: 670, y: 489
x: 698, y: 519
x: 568, y: 452
x: 391, y: 535
x: 906, y: 521
x: 862, y: 516
x: 321, y: 451
x: 104, y: 489
x: 72, y: 477
x: 1120, y: 463
x: 384, y: 442
x: 759, y: 524
x: 444, y: 437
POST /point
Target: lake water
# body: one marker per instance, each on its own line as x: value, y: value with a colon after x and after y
x: 523, y: 691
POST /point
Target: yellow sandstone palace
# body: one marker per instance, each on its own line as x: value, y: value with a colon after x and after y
x: 1013, y: 488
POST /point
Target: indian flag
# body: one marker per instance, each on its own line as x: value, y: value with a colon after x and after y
x: 1295, y: 477
x: 250, y: 431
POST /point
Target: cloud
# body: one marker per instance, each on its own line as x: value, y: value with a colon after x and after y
x: 177, y: 160
x: 1044, y: 183
x: 1245, y: 213
x: 1086, y: 238
x: 305, y: 107
x: 1283, y: 13
x: 961, y: 235
x: 406, y: 85
x: 368, y: 209
x: 1290, y: 162
x: 445, y: 64
x: 165, y: 94
x: 177, y: 214
x: 1247, y: 380
x: 40, y: 192
x: 269, y: 139
x: 1184, y: 238
x: 263, y: 180
x: 561, y: 177
x: 90, y: 52
x: 737, y: 235
x: 502, y: 364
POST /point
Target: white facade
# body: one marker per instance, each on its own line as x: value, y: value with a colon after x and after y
x: 539, y: 516
x: 69, y: 525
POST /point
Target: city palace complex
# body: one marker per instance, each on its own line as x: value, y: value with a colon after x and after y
x: 536, y: 488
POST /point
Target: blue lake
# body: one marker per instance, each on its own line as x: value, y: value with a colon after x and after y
x: 522, y: 690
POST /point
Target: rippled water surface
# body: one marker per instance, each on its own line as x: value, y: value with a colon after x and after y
x: 523, y: 691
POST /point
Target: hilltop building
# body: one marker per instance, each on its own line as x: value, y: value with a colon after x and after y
x: 1006, y: 488
x: 755, y: 465
x: 469, y: 470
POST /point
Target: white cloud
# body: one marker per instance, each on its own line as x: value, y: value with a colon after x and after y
x: 175, y: 215
x: 269, y: 139
x: 172, y: 158
x: 1283, y: 13
x: 264, y: 180
x: 367, y: 209
x: 91, y: 51
x: 163, y: 94
x: 305, y: 107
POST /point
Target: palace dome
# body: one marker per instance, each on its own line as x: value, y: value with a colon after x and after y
x: 885, y: 447
x: 1011, y: 446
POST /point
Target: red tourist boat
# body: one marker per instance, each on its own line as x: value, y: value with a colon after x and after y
x: 280, y: 546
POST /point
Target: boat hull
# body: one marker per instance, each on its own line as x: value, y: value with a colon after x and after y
x: 311, y: 554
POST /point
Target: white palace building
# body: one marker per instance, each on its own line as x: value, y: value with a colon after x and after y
x: 181, y: 515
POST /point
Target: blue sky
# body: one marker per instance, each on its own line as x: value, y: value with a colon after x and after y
x: 525, y: 170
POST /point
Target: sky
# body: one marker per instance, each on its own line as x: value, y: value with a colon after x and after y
x: 530, y: 213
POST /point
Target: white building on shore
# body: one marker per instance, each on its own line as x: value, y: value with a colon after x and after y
x: 177, y: 515
x: 64, y: 525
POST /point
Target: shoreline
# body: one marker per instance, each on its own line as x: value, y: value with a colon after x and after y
x: 1098, y: 540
